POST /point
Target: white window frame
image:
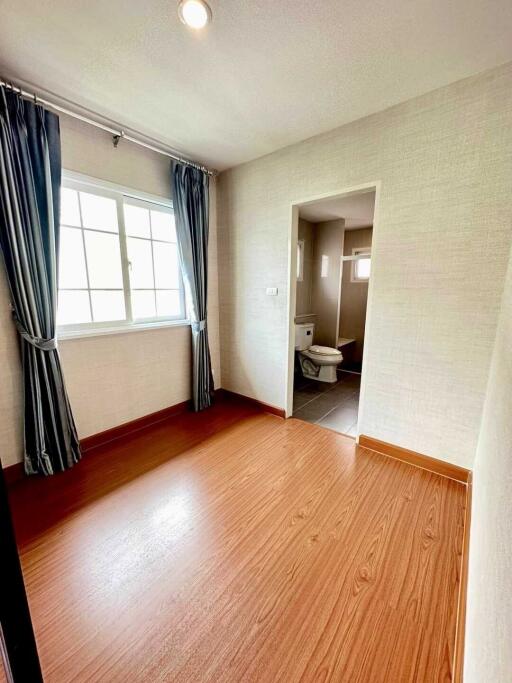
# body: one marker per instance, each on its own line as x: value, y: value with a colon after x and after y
x: 358, y: 254
x: 300, y: 260
x: 77, y: 181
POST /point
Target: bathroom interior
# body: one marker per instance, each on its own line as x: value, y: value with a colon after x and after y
x: 333, y: 272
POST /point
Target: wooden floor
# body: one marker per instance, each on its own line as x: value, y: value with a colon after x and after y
x: 237, y: 546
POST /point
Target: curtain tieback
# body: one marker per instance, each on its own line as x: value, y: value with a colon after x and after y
x: 199, y: 325
x: 38, y: 342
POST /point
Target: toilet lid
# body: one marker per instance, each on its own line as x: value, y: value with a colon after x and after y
x: 324, y: 350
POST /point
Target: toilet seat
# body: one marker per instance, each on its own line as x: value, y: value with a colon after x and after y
x: 324, y: 351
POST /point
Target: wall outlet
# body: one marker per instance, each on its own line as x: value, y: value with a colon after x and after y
x: 271, y: 291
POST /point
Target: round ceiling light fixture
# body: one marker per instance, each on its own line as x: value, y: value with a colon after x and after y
x: 195, y: 13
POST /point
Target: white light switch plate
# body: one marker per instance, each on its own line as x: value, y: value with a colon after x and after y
x: 271, y: 291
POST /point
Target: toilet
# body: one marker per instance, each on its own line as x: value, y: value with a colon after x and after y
x: 316, y: 362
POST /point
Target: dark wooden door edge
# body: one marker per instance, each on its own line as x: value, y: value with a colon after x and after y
x: 19, y: 650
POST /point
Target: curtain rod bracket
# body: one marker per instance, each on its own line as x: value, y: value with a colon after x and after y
x: 115, y: 140
x: 116, y: 137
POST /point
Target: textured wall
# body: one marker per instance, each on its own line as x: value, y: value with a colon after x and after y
x: 354, y: 295
x: 116, y: 378
x: 439, y: 258
x: 327, y: 243
x: 489, y: 617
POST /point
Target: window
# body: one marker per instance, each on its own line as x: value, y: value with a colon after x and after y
x: 324, y: 266
x: 118, y: 259
x: 362, y: 266
x: 300, y: 260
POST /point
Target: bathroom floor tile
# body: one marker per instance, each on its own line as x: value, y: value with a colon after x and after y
x: 330, y: 405
x: 300, y: 398
x: 316, y: 409
x: 342, y: 418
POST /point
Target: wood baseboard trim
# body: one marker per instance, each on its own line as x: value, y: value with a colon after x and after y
x: 127, y: 428
x: 13, y: 474
x: 460, y: 632
x: 267, y: 408
x: 445, y: 469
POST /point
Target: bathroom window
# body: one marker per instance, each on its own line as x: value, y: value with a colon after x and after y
x: 300, y: 260
x: 118, y: 260
x: 324, y: 266
x: 361, y: 267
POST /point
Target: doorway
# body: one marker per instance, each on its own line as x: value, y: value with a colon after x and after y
x: 332, y: 239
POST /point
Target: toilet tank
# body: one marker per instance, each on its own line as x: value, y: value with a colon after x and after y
x: 304, y: 335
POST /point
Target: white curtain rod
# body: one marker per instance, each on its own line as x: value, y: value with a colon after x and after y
x: 116, y: 134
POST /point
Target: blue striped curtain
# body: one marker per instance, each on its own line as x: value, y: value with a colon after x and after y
x: 30, y: 175
x: 190, y: 188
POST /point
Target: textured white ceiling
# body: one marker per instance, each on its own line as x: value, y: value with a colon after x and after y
x: 357, y: 210
x: 263, y: 75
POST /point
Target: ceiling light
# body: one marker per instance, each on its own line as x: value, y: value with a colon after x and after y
x: 195, y: 13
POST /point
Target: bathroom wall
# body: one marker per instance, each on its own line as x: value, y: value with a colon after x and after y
x: 354, y: 296
x: 327, y: 253
x: 440, y: 251
x: 304, y: 286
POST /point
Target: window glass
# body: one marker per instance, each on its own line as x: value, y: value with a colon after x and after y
x: 69, y: 209
x: 162, y: 226
x: 141, y: 263
x: 72, y: 271
x: 136, y: 219
x: 168, y: 302
x: 73, y: 307
x: 98, y: 213
x: 107, y: 305
x: 103, y: 260
x: 361, y: 267
x: 118, y: 258
x: 165, y: 258
x: 143, y: 303
x: 300, y: 260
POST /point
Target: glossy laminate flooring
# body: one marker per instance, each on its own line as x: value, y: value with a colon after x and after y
x: 234, y: 545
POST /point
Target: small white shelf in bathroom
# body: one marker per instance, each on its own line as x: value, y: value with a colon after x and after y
x: 342, y: 341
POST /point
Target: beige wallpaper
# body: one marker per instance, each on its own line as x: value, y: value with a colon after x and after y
x: 489, y: 617
x: 327, y: 244
x: 116, y: 378
x: 444, y: 161
x: 354, y: 295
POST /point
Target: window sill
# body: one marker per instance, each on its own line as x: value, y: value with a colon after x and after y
x: 64, y: 335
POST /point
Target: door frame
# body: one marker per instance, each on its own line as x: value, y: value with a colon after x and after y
x: 292, y: 285
x: 18, y: 649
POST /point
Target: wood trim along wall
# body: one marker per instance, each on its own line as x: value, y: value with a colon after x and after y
x: 14, y: 473
x: 127, y: 428
x: 446, y: 469
x: 267, y: 408
x: 460, y: 632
